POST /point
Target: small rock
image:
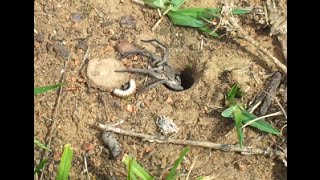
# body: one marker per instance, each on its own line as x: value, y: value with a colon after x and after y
x: 82, y: 45
x: 76, y: 17
x: 169, y: 100
x: 90, y: 152
x: 166, y: 125
x: 240, y: 167
x: 40, y: 37
x: 101, y: 75
x: 124, y: 46
x: 87, y: 146
x: 105, y: 24
x: 218, y: 97
x: 128, y: 21
x: 129, y: 108
x: 61, y: 50
x: 117, y: 105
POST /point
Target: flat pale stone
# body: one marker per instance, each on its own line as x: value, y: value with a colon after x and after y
x: 100, y: 73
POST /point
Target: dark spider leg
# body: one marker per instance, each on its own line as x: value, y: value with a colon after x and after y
x: 164, y: 48
x: 142, y: 52
x: 152, y: 85
x: 142, y: 71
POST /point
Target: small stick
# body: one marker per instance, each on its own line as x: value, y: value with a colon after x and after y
x: 138, y: 2
x: 84, y: 58
x: 204, y: 144
x: 191, y: 167
x: 161, y: 18
x: 277, y: 101
x: 85, y: 165
x: 255, y: 106
x: 256, y: 119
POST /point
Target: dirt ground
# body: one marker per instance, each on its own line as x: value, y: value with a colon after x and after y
x: 67, y: 28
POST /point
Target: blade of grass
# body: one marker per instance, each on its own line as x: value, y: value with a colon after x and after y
x: 136, y: 168
x: 171, y: 175
x: 40, y: 145
x: 176, y: 4
x: 44, y: 89
x: 198, y: 13
x: 207, y: 30
x: 228, y: 113
x: 40, y: 166
x: 65, y: 163
x: 238, y: 124
x: 184, y: 20
x: 238, y: 11
x: 131, y: 175
x: 260, y: 124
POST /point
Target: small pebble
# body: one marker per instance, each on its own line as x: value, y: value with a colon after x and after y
x: 61, y: 50
x: 40, y: 38
x: 117, y: 105
x: 76, y: 17
x: 128, y: 21
x: 124, y: 46
x: 87, y: 146
x: 82, y: 45
x: 129, y: 108
x: 169, y: 100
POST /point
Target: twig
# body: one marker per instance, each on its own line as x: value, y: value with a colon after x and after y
x: 277, y: 101
x: 117, y: 170
x: 204, y: 144
x: 161, y: 18
x: 255, y: 106
x: 52, y: 129
x: 256, y: 119
x: 265, y: 98
x: 85, y: 165
x: 84, y: 58
x: 138, y: 2
x: 281, y: 130
x: 191, y: 167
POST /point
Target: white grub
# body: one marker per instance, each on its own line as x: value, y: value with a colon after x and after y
x: 127, y: 92
x: 166, y: 125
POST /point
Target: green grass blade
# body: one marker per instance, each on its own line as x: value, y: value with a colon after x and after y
x: 184, y: 20
x: 228, y: 113
x: 238, y: 122
x: 207, y: 30
x: 233, y: 93
x: 171, y: 175
x: 65, y: 163
x: 260, y: 124
x: 238, y: 11
x: 136, y: 168
x: 198, y: 13
x: 44, y: 89
x: 131, y: 175
x: 40, y: 166
x: 156, y: 3
x: 40, y: 145
x: 176, y: 4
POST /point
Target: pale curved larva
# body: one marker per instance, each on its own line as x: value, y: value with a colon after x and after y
x: 127, y: 92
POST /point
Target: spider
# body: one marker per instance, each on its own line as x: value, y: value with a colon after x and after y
x: 160, y: 69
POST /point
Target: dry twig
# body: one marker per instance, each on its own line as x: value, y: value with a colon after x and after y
x: 204, y: 144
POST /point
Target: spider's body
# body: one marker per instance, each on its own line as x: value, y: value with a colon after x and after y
x: 160, y: 70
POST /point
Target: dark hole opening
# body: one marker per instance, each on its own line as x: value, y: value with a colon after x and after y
x: 187, y: 80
